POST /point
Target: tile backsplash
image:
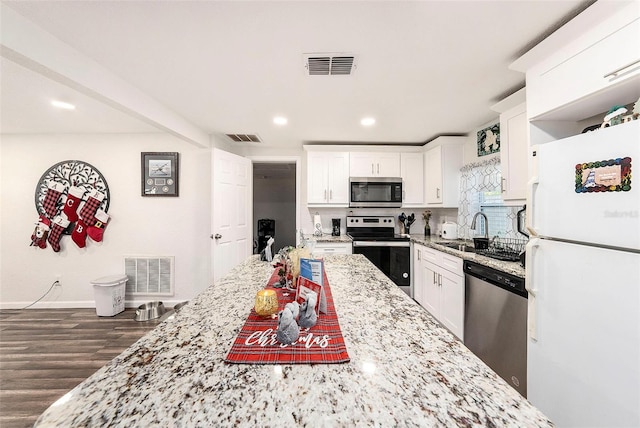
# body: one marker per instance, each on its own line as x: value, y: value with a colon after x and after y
x: 480, y: 192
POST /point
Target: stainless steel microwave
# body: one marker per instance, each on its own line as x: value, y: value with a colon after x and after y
x: 375, y: 192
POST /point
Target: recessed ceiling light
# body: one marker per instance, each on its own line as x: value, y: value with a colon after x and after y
x: 368, y: 121
x: 63, y: 105
x: 280, y: 120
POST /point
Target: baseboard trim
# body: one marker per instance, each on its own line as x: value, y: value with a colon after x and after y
x: 80, y: 304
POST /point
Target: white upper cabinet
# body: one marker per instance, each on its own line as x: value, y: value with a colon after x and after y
x: 514, y: 143
x: 328, y: 178
x: 442, y: 163
x: 591, y: 54
x: 368, y: 164
x: 412, y: 173
x: 514, y: 135
x: 433, y: 175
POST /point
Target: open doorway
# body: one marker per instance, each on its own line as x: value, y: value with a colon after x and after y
x: 274, y: 204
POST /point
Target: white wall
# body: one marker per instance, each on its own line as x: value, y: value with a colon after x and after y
x: 139, y: 225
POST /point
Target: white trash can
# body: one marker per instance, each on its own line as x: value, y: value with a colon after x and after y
x: 109, y: 293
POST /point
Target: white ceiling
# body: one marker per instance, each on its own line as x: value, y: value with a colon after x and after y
x: 424, y: 68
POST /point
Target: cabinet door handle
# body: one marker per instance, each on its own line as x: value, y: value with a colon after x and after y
x: 325, y: 194
x: 372, y: 171
x: 438, y: 192
x: 418, y: 255
x: 440, y: 280
x: 434, y: 278
x: 331, y: 194
x: 615, y: 73
x: 378, y: 168
x: 502, y: 188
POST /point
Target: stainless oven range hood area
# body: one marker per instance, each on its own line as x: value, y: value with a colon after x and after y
x: 375, y: 192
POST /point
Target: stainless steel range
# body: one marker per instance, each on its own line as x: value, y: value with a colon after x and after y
x: 375, y: 238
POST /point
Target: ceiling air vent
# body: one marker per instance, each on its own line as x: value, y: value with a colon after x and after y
x: 325, y: 64
x: 251, y: 138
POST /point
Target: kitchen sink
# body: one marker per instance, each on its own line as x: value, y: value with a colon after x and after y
x: 464, y: 247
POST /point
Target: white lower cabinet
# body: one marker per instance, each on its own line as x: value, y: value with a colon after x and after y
x: 439, y: 287
x: 321, y: 248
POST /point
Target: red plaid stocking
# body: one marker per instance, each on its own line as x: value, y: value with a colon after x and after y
x: 58, y: 226
x: 90, y: 207
x: 50, y: 203
x: 74, y: 197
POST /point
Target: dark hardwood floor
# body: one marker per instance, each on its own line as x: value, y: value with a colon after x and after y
x: 44, y: 353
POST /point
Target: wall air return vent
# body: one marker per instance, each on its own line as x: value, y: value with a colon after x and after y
x: 238, y: 138
x: 329, y: 64
x: 149, y: 275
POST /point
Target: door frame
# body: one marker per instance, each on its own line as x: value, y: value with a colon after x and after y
x: 281, y: 159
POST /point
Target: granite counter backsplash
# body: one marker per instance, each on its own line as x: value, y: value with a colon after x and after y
x: 513, y: 268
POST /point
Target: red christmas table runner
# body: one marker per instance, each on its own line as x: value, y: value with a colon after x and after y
x: 321, y: 344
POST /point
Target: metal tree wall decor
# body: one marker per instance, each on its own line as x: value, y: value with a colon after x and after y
x: 65, y: 191
x: 70, y: 173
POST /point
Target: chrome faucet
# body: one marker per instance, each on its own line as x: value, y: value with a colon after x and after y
x: 486, y: 223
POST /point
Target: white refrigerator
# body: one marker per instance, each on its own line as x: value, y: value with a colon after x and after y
x: 583, y: 279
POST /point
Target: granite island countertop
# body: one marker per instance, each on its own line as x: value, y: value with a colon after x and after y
x: 405, y: 369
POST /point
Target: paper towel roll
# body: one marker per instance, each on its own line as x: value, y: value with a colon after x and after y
x: 317, y: 225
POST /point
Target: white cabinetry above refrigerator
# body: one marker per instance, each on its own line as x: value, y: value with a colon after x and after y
x: 584, y: 61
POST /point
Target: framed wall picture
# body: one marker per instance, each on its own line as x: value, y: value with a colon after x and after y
x: 160, y: 173
x: 489, y: 140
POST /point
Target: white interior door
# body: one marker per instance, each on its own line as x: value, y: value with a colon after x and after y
x: 231, y: 211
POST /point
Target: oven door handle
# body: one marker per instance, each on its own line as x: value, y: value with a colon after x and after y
x: 381, y: 244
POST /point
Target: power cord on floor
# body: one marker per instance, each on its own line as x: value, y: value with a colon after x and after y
x: 56, y: 282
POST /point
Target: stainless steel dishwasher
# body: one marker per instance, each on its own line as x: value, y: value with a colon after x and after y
x: 495, y: 322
